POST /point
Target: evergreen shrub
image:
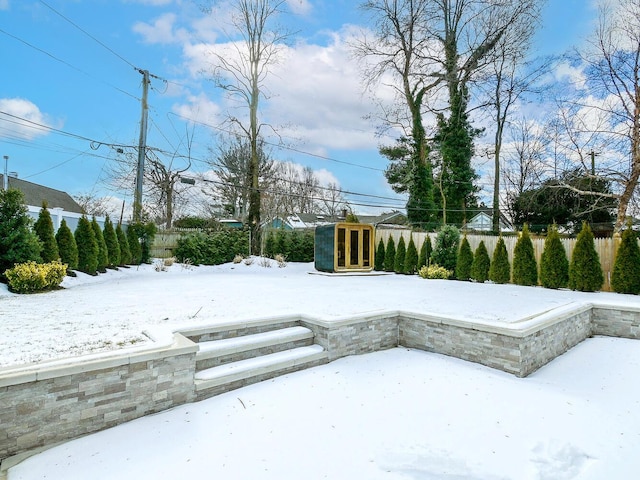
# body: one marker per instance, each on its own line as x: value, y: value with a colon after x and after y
x: 411, y: 258
x: 123, y: 243
x: 390, y: 256
x: 144, y: 234
x: 464, y: 261
x: 33, y: 277
x: 585, y: 271
x: 445, y: 250
x: 481, y: 264
x: 554, y: 265
x: 134, y: 245
x: 626, y: 268
x: 379, y: 259
x: 401, y: 253
x: 425, y: 253
x: 212, y: 248
x: 87, y: 247
x: 67, y: 247
x: 111, y: 241
x: 500, y: 269
x: 525, y: 268
x: 44, y: 230
x: 103, y: 254
x: 18, y: 243
x: 435, y: 272
x: 269, y: 245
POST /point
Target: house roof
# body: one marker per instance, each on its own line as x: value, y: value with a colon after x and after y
x: 311, y: 220
x: 35, y: 194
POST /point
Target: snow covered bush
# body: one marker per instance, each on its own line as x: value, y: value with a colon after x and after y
x: 238, y: 259
x: 32, y: 277
x: 435, y: 272
x: 282, y: 261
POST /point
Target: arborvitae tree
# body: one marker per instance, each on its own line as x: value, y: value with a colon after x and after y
x: 411, y: 258
x: 390, y: 256
x: 87, y: 246
x: 269, y: 245
x: 103, y: 254
x: 585, y: 271
x: 445, y: 251
x: 308, y: 246
x: 401, y: 253
x: 44, y: 229
x: 125, y: 253
x: 134, y: 245
x: 525, y: 268
x: 282, y: 245
x: 144, y: 233
x: 18, y: 243
x: 626, y: 268
x: 554, y: 265
x: 425, y: 253
x: 465, y: 260
x: 379, y: 260
x: 111, y: 240
x: 500, y: 270
x: 351, y: 218
x: 67, y: 247
x: 481, y: 264
x: 295, y: 247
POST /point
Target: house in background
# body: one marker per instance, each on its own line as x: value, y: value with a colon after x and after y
x: 60, y: 204
x: 483, y: 222
x: 309, y: 221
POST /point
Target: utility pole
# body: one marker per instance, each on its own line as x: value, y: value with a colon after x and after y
x: 5, y: 178
x: 142, y: 148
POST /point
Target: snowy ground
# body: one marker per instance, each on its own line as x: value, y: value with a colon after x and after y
x: 396, y: 414
x: 93, y: 314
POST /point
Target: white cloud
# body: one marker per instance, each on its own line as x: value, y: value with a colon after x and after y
x: 160, y: 31
x: 300, y: 7
x: 13, y: 126
x: 566, y: 72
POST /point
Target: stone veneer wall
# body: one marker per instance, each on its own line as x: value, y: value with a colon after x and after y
x: 616, y: 321
x: 47, y: 406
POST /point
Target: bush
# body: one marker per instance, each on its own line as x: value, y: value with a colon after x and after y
x: 32, y: 277
x: 44, y: 230
x: 500, y: 270
x: 194, y: 222
x: 425, y: 253
x: 390, y: 256
x: 401, y: 253
x: 554, y: 266
x: 134, y: 246
x: 379, y: 259
x: 435, y: 272
x: 585, y: 272
x: 111, y: 241
x: 103, y: 254
x: 125, y: 253
x: 281, y: 243
x: 464, y: 261
x: 481, y: 264
x: 18, y: 243
x: 143, y: 234
x: 270, y: 245
x: 67, y: 247
x: 626, y: 268
x: 411, y: 259
x: 445, y: 251
x: 212, y: 248
x: 525, y: 268
x: 87, y: 247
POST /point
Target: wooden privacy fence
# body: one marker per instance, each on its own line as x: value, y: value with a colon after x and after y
x: 606, y: 247
x: 166, y: 240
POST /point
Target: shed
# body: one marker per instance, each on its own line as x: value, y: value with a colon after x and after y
x: 344, y: 247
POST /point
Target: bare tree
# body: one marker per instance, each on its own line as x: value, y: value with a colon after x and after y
x: 332, y: 201
x: 241, y: 73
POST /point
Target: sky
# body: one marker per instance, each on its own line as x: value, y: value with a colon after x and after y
x: 72, y: 69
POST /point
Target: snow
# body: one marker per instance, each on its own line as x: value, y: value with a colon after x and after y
x: 395, y: 414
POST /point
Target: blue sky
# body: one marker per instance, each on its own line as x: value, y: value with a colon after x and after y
x: 55, y: 74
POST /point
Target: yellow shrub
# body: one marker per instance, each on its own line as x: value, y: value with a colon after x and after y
x: 435, y: 272
x: 32, y: 277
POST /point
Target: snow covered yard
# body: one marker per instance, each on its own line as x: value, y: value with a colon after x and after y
x: 398, y: 413
x: 395, y: 414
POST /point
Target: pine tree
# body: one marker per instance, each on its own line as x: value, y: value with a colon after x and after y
x: 67, y: 247
x: 295, y: 247
x: 554, y: 265
x: 134, y: 245
x: 123, y: 243
x: 500, y: 270
x: 87, y: 246
x: 626, y: 268
x: 111, y: 240
x: 401, y: 253
x: 18, y: 243
x: 103, y: 255
x: 44, y: 229
x: 269, y: 245
x: 585, y: 271
x: 464, y: 261
x: 390, y: 256
x: 425, y: 253
x: 379, y: 260
x: 525, y: 268
x: 411, y: 258
x: 481, y: 264
x: 282, y: 245
x: 445, y: 251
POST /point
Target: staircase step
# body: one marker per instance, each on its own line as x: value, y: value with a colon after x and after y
x: 230, y: 346
x: 241, y: 373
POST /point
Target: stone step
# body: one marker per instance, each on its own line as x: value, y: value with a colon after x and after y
x: 219, y: 352
x: 230, y: 376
